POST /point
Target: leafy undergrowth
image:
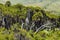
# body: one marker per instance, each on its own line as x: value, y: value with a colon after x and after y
x: 16, y: 33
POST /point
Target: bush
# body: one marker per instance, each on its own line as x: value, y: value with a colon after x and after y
x: 16, y: 34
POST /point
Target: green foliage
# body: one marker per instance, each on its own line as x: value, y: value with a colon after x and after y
x: 52, y: 15
x: 37, y: 16
x: 21, y: 11
x: 5, y: 35
x: 8, y: 3
x: 29, y: 35
x: 13, y: 11
x: 48, y: 35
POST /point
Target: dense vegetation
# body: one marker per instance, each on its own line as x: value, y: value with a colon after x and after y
x: 18, y: 22
x: 21, y: 34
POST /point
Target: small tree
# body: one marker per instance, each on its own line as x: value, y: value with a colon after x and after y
x: 8, y: 3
